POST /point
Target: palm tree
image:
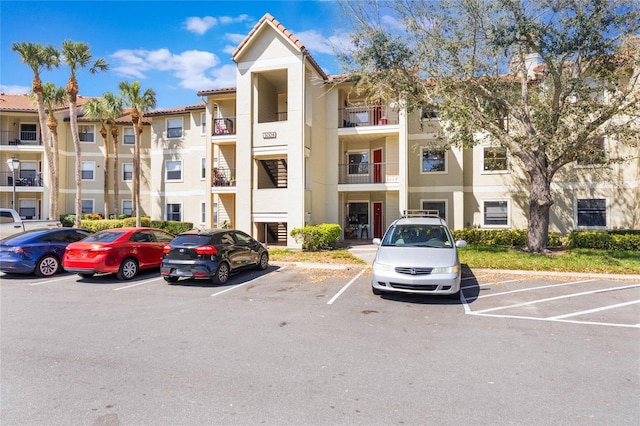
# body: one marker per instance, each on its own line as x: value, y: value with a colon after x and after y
x: 112, y: 106
x: 94, y: 110
x: 53, y: 96
x: 39, y: 58
x: 139, y: 103
x: 77, y: 55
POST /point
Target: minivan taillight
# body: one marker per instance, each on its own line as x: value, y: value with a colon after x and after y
x: 206, y: 250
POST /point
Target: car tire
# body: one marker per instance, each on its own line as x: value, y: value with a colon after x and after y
x: 377, y: 291
x: 171, y: 279
x: 221, y: 274
x: 263, y: 262
x: 47, y: 266
x: 86, y: 275
x: 128, y: 269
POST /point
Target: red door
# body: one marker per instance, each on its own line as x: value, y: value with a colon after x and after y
x: 377, y: 166
x: 377, y: 220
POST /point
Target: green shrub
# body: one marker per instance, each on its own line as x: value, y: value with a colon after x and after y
x: 607, y: 240
x: 68, y: 220
x: 501, y: 237
x: 167, y: 225
x: 315, y: 237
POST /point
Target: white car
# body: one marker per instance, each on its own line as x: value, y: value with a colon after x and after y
x: 417, y: 255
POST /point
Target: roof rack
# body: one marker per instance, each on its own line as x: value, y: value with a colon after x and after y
x: 421, y: 213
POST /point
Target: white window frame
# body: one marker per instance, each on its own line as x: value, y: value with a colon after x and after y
x: 28, y: 203
x: 436, y: 172
x: 203, y: 168
x: 484, y: 161
x: 203, y: 123
x: 25, y: 132
x: 88, y: 200
x: 203, y: 213
x: 494, y: 226
x: 436, y: 200
x: 123, y: 207
x: 607, y: 213
x: 368, y: 163
x: 125, y: 133
x: 167, y: 171
x: 124, y: 172
x: 92, y: 132
x: 167, y: 128
x: 166, y: 213
x: 92, y: 169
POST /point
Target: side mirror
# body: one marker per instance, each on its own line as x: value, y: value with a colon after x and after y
x: 461, y: 243
x: 376, y: 241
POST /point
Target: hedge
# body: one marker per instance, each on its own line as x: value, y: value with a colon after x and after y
x: 168, y: 225
x: 316, y: 237
x: 607, y: 240
x: 501, y: 237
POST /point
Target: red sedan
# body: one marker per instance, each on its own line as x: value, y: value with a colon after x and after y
x: 122, y: 251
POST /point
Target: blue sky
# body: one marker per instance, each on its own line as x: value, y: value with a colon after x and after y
x: 174, y: 47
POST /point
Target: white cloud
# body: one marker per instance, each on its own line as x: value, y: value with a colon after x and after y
x: 235, y: 38
x: 200, y: 25
x: 314, y: 41
x: 189, y: 67
x: 14, y: 89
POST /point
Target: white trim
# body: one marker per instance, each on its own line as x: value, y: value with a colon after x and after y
x: 607, y: 213
x: 445, y: 157
x: 496, y: 200
x: 437, y: 200
x: 166, y: 210
x: 93, y: 171
x: 166, y: 171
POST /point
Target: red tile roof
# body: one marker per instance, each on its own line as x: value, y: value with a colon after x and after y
x: 24, y: 103
x: 172, y: 111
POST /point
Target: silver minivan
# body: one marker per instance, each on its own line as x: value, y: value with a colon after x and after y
x: 417, y: 254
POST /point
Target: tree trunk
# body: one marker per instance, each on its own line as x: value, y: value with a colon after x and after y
x: 116, y: 172
x: 540, y: 202
x: 48, y: 154
x: 72, y: 92
x: 105, y: 139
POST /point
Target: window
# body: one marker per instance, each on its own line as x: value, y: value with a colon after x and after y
x: 28, y: 172
x: 358, y: 213
x: 429, y: 113
x: 439, y: 206
x: 496, y: 213
x: 434, y: 160
x: 88, y: 168
x: 203, y: 168
x: 127, y: 207
x: 203, y: 212
x: 215, y: 215
x: 174, y: 127
x: 128, y: 136
x: 85, y: 133
x: 28, y: 132
x: 174, y: 170
x: 127, y: 171
x: 87, y: 206
x: 592, y: 212
x: 174, y: 212
x: 358, y: 163
x: 593, y: 154
x: 495, y: 159
x: 27, y: 209
x: 203, y: 123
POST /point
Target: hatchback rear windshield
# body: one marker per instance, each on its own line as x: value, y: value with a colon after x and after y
x: 103, y: 237
x: 191, y: 240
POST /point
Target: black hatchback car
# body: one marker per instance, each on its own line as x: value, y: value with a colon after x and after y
x: 211, y: 255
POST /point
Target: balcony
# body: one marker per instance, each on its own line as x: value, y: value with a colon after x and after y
x: 17, y: 137
x: 223, y: 177
x: 365, y: 116
x: 224, y: 126
x: 368, y: 173
x: 24, y: 178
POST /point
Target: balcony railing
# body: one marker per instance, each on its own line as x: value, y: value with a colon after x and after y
x: 361, y: 173
x: 17, y: 137
x: 23, y: 178
x: 365, y: 116
x: 224, y: 126
x: 223, y: 177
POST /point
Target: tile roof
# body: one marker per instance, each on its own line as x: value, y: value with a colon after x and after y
x: 24, y: 103
x: 267, y: 19
x: 217, y: 91
x: 178, y: 110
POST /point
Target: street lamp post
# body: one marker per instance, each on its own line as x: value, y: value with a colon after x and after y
x: 14, y: 164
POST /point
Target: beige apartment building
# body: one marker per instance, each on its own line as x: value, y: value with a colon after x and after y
x: 290, y: 146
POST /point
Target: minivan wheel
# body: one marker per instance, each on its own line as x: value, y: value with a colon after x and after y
x: 222, y: 273
x: 47, y: 266
x: 263, y: 263
x: 128, y: 269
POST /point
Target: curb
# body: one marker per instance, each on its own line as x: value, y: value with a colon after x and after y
x: 559, y: 274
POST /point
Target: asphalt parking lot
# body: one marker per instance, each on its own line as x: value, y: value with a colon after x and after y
x: 300, y: 345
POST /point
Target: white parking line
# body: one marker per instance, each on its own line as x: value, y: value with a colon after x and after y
x: 342, y: 290
x: 590, y: 311
x: 50, y: 280
x: 239, y: 285
x: 533, y: 288
x: 492, y: 283
x: 138, y: 283
x: 608, y: 324
x: 566, y: 296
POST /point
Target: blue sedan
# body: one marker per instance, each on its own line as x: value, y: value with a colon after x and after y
x: 37, y: 251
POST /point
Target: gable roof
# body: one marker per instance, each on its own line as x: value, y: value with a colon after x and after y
x: 24, y: 103
x: 174, y: 111
x: 269, y: 20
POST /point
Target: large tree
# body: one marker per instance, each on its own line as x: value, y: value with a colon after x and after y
x: 94, y: 110
x: 40, y: 58
x: 112, y: 106
x: 476, y: 59
x: 139, y: 102
x: 53, y: 97
x: 78, y: 55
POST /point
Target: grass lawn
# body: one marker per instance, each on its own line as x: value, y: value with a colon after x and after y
x: 493, y: 257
